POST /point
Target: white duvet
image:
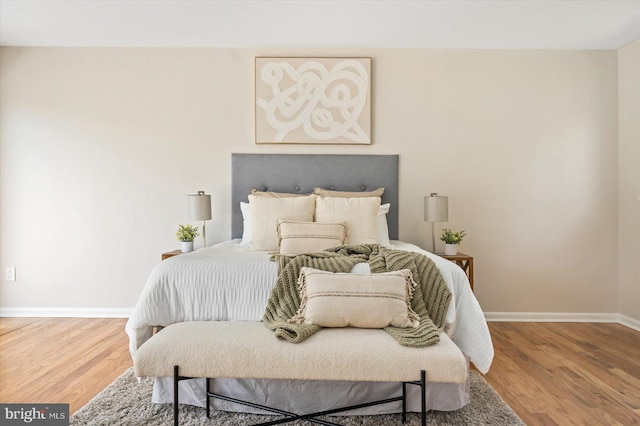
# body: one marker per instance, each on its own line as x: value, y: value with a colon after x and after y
x: 227, y: 282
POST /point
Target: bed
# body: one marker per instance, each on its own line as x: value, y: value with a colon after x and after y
x: 228, y: 282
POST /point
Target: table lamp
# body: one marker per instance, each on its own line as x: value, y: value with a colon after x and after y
x: 200, y: 209
x: 436, y: 209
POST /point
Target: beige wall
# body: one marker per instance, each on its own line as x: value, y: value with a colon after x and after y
x: 629, y: 178
x: 99, y: 147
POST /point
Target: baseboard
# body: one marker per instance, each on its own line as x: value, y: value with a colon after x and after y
x: 629, y: 322
x: 549, y: 317
x: 561, y: 317
x: 490, y: 316
x: 67, y: 312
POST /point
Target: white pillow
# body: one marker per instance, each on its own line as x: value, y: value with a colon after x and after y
x: 383, y: 227
x: 245, y: 208
x: 265, y: 212
x: 360, y: 214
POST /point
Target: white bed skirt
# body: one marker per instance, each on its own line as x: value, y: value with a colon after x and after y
x: 304, y: 396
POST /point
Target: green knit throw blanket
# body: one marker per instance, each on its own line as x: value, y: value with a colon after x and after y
x: 430, y: 301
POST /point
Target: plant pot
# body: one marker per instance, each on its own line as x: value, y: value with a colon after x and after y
x: 451, y: 249
x: 187, y: 246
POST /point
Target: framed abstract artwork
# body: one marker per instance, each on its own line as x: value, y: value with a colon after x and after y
x: 313, y: 100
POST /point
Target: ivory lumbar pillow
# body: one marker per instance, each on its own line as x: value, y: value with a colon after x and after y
x: 360, y: 214
x: 296, y: 237
x: 353, y: 300
x: 265, y: 212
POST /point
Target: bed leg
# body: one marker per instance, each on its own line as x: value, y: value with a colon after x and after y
x: 176, y: 379
x: 423, y: 391
x: 206, y: 394
x: 404, y: 402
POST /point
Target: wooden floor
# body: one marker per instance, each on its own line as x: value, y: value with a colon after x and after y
x: 568, y: 373
x: 549, y: 373
x: 60, y: 360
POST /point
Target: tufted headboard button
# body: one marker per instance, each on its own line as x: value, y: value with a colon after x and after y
x: 332, y: 188
x: 363, y: 187
x: 264, y: 188
x: 297, y: 188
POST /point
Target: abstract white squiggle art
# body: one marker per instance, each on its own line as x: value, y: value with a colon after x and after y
x: 326, y: 103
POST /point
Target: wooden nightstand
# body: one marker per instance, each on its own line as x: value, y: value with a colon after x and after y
x: 170, y: 254
x: 464, y: 261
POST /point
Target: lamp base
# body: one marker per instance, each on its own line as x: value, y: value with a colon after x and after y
x: 433, y: 237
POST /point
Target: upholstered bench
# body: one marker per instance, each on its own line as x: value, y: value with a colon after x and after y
x: 246, y: 349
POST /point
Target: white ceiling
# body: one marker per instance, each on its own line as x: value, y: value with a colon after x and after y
x: 479, y: 24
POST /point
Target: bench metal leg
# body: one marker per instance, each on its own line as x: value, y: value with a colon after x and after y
x: 423, y: 396
x: 312, y: 417
x: 207, y: 398
x: 404, y: 402
x: 176, y: 379
x: 423, y: 385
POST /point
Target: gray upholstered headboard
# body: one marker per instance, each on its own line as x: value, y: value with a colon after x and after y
x: 301, y: 173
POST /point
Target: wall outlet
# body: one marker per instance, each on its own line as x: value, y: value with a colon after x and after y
x: 11, y: 273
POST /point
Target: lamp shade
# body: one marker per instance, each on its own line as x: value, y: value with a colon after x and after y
x: 436, y: 208
x: 199, y: 206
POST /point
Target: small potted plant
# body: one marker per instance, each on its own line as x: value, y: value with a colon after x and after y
x: 186, y: 234
x: 451, y: 240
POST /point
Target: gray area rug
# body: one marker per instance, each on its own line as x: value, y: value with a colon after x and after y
x: 127, y: 402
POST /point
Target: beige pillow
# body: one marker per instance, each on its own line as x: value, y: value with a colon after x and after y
x: 354, y: 300
x: 271, y: 194
x: 265, y: 212
x: 309, y: 237
x: 360, y: 214
x: 346, y: 194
